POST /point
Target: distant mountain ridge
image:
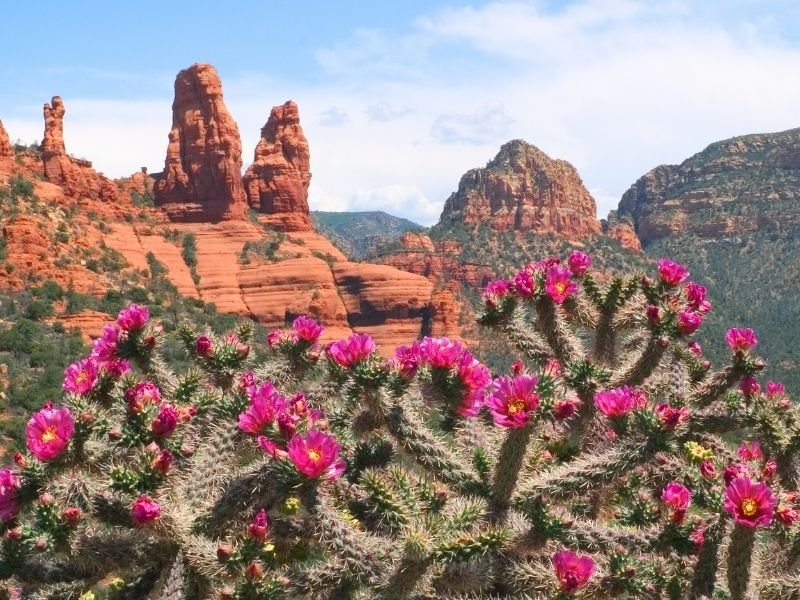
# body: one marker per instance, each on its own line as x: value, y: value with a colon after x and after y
x: 359, y: 234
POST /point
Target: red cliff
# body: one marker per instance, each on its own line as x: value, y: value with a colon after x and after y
x: 5, y: 145
x: 277, y: 181
x: 202, y: 178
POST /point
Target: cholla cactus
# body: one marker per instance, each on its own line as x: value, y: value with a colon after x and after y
x: 605, y: 464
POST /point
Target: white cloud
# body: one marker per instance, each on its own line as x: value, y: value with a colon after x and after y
x: 614, y: 86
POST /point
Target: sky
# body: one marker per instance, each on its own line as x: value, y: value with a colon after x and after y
x: 399, y: 99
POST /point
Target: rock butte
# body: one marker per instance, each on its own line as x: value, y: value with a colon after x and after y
x: 277, y: 181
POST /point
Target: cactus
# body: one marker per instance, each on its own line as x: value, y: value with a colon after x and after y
x: 605, y: 464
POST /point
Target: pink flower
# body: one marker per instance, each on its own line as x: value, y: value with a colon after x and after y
x: 749, y: 385
x: 133, y: 318
x: 677, y: 497
x: 316, y: 454
x: 512, y: 401
x: 775, y: 389
x: 689, y: 321
x: 307, y: 329
x: 707, y: 469
x: 440, y: 352
x: 559, y: 284
x: 116, y: 368
x: 247, y: 380
x: 750, y: 450
x: 524, y: 284
x: 698, y: 536
x: 259, y: 527
x: 9, y: 485
x: 105, y: 347
x: 472, y: 373
x: 145, y: 509
x: 769, y: 470
x: 265, y: 406
x: 750, y: 503
x: 579, y: 263
x: 276, y: 337
x: 741, y: 339
x: 347, y: 353
x: 203, y: 346
x: 564, y: 409
x: 671, y: 272
x: 616, y: 402
x: 49, y: 431
x: 141, y: 395
x: 406, y: 361
x: 670, y: 417
x: 696, y: 294
x: 495, y: 291
x: 573, y: 571
x: 695, y: 348
x: 165, y: 422
x: 80, y: 377
x: 471, y: 403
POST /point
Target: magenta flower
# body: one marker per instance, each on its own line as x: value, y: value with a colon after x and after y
x: 579, y: 263
x: 440, y: 352
x: 316, y: 454
x: 80, y: 377
x: 116, y: 368
x: 677, y: 497
x: 141, y: 395
x: 49, y: 431
x: 670, y: 417
x: 406, y: 361
x: 9, y: 485
x: 144, y: 509
x: 749, y: 385
x: 348, y: 353
x: 559, y: 284
x: 750, y: 450
x: 671, y: 272
x: 787, y: 515
x: 524, y: 284
x: 616, y: 402
x: 471, y: 403
x: 162, y: 461
x: 105, y: 347
x: 512, y: 401
x: 775, y: 389
x: 271, y: 448
x: 472, y: 373
x: 750, y: 503
x: 564, y: 409
x: 770, y: 469
x: 266, y: 404
x: 259, y: 527
x: 689, y: 321
x: 707, y: 469
x: 695, y: 348
x: 307, y: 329
x: 166, y: 421
x: 573, y: 571
x: 276, y: 337
x: 741, y: 339
x: 203, y: 346
x: 495, y: 291
x: 133, y: 317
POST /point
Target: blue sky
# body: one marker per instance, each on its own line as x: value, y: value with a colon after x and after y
x: 398, y: 99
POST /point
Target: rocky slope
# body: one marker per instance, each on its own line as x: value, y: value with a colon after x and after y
x: 734, y: 186
x: 523, y: 189
x: 277, y: 181
x: 202, y: 179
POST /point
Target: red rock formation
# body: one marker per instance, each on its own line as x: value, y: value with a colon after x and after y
x: 89, y: 322
x: 5, y: 145
x: 621, y: 229
x: 277, y: 181
x: 202, y: 179
x: 140, y: 182
x: 523, y: 189
x: 76, y: 176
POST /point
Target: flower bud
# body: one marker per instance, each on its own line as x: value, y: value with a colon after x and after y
x: 47, y: 499
x: 254, y: 571
x: 115, y: 433
x: 224, y: 552
x: 71, y: 516
x: 40, y: 545
x: 149, y: 342
x: 20, y: 460
x: 14, y: 534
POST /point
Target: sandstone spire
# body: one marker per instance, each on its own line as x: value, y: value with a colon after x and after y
x: 277, y: 181
x: 202, y: 178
